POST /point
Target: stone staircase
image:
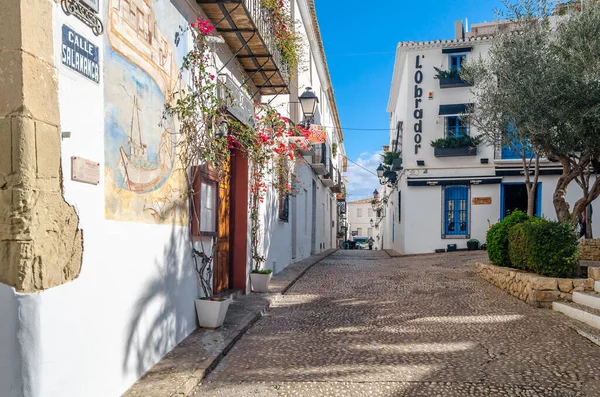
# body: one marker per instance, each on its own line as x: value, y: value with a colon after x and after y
x: 585, y: 307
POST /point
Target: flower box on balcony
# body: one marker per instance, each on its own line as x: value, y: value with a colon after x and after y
x: 302, y: 144
x: 455, y: 152
x: 452, y: 82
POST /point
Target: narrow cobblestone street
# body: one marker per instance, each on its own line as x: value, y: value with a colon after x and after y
x: 361, y: 323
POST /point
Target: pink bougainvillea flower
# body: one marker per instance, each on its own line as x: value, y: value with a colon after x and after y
x: 212, y: 77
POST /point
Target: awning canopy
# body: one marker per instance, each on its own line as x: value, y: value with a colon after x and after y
x: 461, y: 108
x: 451, y: 181
x: 456, y: 50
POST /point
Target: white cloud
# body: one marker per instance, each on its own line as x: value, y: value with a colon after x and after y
x: 361, y: 183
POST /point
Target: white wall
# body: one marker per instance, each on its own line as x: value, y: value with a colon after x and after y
x: 133, y: 300
x: 10, y: 354
x: 363, y: 222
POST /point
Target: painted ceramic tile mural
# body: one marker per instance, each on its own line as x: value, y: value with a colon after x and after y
x: 142, y: 180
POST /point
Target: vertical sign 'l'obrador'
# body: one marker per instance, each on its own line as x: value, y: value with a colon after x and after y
x: 418, y: 113
x: 80, y: 55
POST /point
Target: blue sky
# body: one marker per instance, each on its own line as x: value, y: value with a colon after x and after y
x: 362, y: 83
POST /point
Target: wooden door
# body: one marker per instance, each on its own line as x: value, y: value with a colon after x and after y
x: 221, y: 265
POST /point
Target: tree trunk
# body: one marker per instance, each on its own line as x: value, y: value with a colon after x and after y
x: 531, y: 195
x: 559, y: 198
x: 531, y: 186
x: 589, y: 234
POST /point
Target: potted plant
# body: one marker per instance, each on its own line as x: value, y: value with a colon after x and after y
x: 473, y: 244
x: 211, y: 311
x: 450, y: 78
x: 456, y: 146
x: 260, y: 279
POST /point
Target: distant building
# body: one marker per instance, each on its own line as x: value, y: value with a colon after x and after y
x: 362, y: 220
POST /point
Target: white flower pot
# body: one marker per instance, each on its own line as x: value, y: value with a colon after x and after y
x: 260, y: 282
x: 211, y: 314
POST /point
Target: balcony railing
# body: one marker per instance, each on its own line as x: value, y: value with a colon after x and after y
x: 453, y: 82
x: 248, y: 30
x: 338, y: 184
x: 240, y: 106
x: 455, y: 152
x: 320, y: 162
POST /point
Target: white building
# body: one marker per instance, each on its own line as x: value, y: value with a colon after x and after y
x: 362, y: 220
x: 446, y: 197
x: 131, y: 297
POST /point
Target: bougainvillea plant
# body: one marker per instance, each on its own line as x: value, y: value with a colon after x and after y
x: 201, y: 114
x: 287, y: 39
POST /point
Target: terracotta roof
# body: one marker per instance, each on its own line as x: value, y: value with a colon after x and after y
x: 363, y: 201
x: 443, y: 42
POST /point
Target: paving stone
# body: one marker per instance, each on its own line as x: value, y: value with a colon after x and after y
x: 364, y: 323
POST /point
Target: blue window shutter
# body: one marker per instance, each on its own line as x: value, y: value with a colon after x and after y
x: 514, y: 150
x: 456, y: 210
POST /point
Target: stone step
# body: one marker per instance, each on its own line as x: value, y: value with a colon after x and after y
x: 597, y: 286
x: 585, y: 314
x: 587, y: 298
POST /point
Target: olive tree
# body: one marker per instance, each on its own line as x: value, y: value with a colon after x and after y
x: 509, y: 87
x: 542, y: 78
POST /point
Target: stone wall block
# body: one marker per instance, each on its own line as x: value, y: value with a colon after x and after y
x: 24, y: 158
x: 5, y: 150
x: 544, y: 283
x: 11, y: 80
x: 579, y: 283
x: 47, y: 144
x: 594, y: 273
x: 10, y: 28
x: 547, y: 296
x: 40, y: 87
x: 36, y: 31
x: 9, y: 259
x: 56, y: 244
x: 565, y: 285
x: 588, y: 284
x: 589, y: 250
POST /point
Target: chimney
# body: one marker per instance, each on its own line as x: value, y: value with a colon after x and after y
x: 459, y: 30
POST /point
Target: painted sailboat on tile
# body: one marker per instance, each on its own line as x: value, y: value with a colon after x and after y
x: 139, y: 173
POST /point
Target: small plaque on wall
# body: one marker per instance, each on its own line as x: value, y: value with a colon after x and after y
x: 482, y: 200
x: 86, y: 171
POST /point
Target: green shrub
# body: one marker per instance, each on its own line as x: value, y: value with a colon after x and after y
x: 544, y: 247
x: 265, y: 271
x: 457, y: 142
x: 497, y: 238
x: 519, y: 246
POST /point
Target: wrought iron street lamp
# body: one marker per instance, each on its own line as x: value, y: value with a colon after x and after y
x: 308, y: 102
x: 375, y: 203
x: 386, y: 177
x: 222, y: 129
